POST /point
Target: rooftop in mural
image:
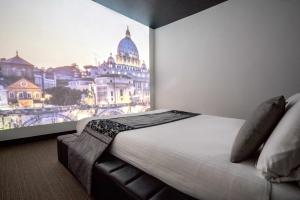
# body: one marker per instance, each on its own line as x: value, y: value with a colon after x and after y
x: 16, y: 60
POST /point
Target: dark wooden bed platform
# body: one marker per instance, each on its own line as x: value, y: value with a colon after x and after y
x: 115, y: 179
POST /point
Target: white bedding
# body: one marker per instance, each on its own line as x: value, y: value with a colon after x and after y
x: 192, y: 155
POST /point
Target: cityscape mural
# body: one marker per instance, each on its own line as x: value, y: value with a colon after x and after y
x: 70, y: 81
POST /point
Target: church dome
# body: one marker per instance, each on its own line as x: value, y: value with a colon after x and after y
x: 127, y: 47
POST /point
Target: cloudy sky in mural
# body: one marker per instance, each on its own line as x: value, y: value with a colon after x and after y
x: 62, y: 32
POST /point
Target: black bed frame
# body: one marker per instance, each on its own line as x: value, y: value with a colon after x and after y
x: 114, y: 179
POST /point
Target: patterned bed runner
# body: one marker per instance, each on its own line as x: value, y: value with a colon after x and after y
x: 98, y: 134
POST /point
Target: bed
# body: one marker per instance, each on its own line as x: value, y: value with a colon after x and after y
x: 192, y: 156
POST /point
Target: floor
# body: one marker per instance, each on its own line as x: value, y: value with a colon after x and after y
x: 31, y: 171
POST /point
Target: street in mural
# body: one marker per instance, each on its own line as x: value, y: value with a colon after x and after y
x: 32, y: 95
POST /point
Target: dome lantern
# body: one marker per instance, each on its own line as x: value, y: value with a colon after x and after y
x: 127, y: 32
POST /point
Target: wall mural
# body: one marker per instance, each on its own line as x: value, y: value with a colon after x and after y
x: 112, y: 78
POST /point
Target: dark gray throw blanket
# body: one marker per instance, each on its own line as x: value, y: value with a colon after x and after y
x: 98, y: 134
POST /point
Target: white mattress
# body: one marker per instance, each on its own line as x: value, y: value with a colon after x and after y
x: 192, y: 155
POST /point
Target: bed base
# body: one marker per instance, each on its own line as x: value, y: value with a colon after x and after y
x: 115, y: 179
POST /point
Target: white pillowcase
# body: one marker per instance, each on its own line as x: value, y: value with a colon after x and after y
x: 279, y: 160
x: 292, y: 100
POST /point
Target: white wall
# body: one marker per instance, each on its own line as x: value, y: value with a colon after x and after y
x: 229, y: 58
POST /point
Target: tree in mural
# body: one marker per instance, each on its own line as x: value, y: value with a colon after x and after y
x: 63, y: 96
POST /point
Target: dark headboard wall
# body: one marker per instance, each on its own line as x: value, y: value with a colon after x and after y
x: 157, y: 13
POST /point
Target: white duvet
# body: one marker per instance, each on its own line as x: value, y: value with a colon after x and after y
x: 192, y: 155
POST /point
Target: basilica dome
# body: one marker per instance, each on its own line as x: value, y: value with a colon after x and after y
x: 127, y: 47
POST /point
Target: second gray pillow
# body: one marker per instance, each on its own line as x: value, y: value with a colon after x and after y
x: 257, y: 129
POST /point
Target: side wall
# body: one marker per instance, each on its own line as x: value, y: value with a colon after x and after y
x: 227, y: 59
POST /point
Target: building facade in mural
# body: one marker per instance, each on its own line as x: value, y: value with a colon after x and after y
x: 44, y: 78
x: 114, y: 89
x: 124, y: 80
x: 81, y: 84
x: 24, y: 93
x: 16, y: 67
x: 3, y: 96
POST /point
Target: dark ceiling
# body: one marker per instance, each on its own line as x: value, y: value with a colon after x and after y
x: 157, y: 13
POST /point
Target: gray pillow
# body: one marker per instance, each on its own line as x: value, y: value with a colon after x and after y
x: 257, y: 129
x: 279, y: 160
